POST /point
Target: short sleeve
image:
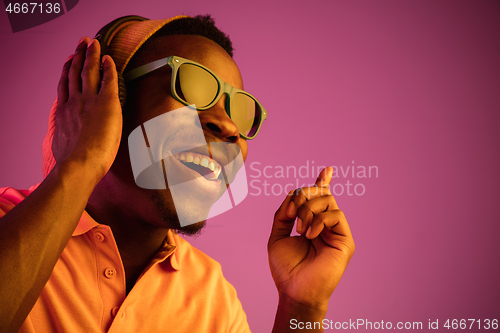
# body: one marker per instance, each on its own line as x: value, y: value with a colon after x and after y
x: 239, y: 322
x: 10, y: 197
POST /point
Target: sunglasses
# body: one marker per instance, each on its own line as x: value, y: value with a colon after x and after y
x: 193, y: 83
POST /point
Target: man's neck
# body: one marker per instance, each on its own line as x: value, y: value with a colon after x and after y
x: 137, y: 241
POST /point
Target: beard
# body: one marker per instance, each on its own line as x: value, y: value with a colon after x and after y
x: 167, y: 213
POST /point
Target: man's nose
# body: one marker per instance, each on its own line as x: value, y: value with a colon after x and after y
x: 216, y: 121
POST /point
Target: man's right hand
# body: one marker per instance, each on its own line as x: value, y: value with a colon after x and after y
x: 85, y: 144
x: 89, y: 116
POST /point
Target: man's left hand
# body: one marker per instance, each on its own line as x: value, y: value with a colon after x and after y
x: 307, y: 268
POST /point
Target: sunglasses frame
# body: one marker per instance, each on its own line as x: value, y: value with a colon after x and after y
x: 223, y: 87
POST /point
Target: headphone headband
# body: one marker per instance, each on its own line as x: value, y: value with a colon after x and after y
x: 106, y: 33
x: 123, y: 37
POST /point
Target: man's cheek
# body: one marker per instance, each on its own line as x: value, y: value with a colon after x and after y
x: 154, y: 149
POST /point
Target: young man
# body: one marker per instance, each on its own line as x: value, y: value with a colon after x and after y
x: 88, y: 250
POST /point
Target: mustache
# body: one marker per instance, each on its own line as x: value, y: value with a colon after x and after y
x: 179, y: 131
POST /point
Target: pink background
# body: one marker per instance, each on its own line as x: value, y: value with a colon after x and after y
x: 411, y: 87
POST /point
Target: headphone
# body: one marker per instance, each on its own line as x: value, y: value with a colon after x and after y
x: 105, y: 35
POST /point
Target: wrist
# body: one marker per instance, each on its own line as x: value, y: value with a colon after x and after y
x: 291, y: 312
x: 79, y: 171
x: 310, y: 310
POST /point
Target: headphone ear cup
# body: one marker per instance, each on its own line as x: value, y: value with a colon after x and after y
x: 104, y: 37
x: 122, y: 91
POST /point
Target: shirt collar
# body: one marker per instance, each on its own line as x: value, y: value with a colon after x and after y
x: 167, y: 250
x: 85, y: 224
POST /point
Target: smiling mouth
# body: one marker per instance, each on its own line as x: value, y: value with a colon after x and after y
x: 202, y: 164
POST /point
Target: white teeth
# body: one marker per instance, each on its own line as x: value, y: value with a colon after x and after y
x: 215, y: 173
x: 202, y: 160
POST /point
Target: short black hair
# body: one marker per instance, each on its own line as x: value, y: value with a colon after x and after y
x: 200, y: 25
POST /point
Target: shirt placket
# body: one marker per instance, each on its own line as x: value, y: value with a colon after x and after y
x: 110, y: 275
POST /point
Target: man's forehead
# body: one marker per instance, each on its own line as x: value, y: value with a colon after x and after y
x: 198, y: 49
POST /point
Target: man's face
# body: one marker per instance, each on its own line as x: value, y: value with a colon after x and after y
x: 149, y: 97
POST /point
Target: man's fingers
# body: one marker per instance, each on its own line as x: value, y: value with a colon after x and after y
x: 302, y: 195
x: 334, y: 220
x: 90, y: 73
x: 62, y: 87
x: 320, y: 188
x: 312, y: 208
x: 325, y: 177
x: 305, y: 204
x: 298, y: 198
x: 109, y: 83
x: 75, y: 71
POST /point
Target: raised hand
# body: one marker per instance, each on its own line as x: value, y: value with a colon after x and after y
x: 86, y: 139
x: 89, y: 118
x: 307, y: 268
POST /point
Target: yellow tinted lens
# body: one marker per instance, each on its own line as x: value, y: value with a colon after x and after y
x: 243, y: 113
x: 195, y: 85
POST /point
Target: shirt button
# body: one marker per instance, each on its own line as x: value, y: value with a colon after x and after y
x: 114, y: 311
x: 109, y: 273
x: 99, y: 237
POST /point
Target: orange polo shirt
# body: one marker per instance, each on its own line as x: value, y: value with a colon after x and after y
x: 182, y: 290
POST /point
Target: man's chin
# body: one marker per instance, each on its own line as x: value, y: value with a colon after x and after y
x: 193, y: 220
x: 194, y: 229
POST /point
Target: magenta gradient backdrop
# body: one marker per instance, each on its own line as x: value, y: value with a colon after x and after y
x: 411, y: 87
